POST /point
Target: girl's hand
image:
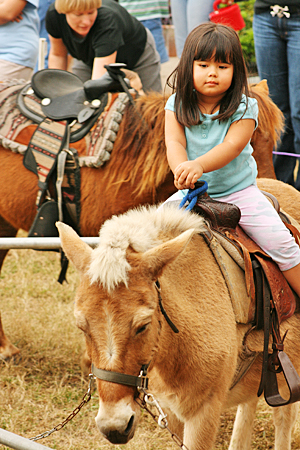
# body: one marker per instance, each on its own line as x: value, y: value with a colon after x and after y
x: 186, y: 174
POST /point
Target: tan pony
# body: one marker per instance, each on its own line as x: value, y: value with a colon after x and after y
x: 190, y: 373
x: 136, y: 174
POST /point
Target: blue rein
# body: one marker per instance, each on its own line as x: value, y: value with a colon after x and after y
x: 192, y: 195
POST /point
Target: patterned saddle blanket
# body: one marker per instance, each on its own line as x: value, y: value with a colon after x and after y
x: 99, y: 139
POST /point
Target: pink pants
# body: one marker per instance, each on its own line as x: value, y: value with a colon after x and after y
x: 262, y: 223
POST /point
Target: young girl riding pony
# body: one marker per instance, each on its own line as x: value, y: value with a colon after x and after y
x: 210, y: 119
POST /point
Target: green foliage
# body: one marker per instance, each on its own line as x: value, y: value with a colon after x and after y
x: 246, y: 35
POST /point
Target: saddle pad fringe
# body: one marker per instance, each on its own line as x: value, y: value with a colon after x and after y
x: 100, y: 140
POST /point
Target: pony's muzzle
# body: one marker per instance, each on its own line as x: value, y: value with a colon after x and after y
x: 117, y: 423
x: 116, y: 437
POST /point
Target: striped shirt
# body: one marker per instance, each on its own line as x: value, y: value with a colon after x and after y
x: 146, y: 9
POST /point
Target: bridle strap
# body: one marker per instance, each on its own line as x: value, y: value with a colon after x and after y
x: 163, y: 311
x: 121, y: 378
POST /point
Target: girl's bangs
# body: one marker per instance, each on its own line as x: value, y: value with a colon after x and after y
x: 214, y: 46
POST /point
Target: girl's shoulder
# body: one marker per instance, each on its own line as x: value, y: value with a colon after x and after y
x: 170, y: 104
x: 248, y: 108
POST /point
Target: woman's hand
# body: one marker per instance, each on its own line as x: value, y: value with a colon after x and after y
x: 187, y: 173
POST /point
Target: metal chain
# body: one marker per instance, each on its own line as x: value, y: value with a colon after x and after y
x: 160, y: 419
x: 148, y: 398
x: 86, y: 398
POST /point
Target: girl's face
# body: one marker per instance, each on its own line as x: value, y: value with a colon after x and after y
x: 81, y: 22
x: 212, y: 78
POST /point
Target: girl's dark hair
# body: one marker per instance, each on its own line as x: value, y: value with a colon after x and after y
x: 204, y: 42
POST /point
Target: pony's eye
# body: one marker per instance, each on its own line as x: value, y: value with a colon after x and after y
x: 141, y: 329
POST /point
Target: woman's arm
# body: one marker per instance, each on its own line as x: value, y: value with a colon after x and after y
x: 99, y: 63
x: 175, y: 143
x: 58, y: 54
x: 236, y: 139
x: 11, y: 10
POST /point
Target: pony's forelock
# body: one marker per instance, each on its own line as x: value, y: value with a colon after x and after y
x: 140, y: 229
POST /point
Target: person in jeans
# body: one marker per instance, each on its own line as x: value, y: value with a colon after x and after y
x: 186, y: 15
x: 276, y: 28
x: 42, y: 11
x: 150, y: 13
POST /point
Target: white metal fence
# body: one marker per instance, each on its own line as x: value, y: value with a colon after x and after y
x: 39, y: 243
x: 17, y: 442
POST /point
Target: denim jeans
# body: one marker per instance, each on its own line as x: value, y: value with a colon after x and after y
x: 42, y: 10
x: 155, y: 26
x: 186, y: 15
x: 277, y: 49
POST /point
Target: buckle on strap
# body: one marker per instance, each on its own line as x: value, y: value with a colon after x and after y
x: 280, y: 11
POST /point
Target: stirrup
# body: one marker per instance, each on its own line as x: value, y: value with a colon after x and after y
x: 272, y: 395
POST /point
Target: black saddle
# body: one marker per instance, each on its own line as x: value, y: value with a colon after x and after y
x: 65, y: 97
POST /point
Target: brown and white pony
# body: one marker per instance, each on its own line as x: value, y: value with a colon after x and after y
x: 190, y: 373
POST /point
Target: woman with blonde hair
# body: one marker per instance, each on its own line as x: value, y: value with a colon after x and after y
x: 96, y: 33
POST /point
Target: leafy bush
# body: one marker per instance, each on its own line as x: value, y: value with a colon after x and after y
x: 246, y: 35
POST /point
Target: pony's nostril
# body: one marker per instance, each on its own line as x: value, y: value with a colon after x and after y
x: 129, y: 426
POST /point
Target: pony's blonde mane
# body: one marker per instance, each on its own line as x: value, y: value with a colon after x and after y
x: 140, y: 229
x: 139, y: 153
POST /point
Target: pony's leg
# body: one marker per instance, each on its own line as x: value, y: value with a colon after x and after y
x: 7, y: 349
x: 243, y: 424
x: 284, y: 420
x: 200, y: 432
x: 6, y: 230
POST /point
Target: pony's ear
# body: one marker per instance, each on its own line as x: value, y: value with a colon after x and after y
x: 155, y: 259
x: 77, y: 251
x: 262, y: 86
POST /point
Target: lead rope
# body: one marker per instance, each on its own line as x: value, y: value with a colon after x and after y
x: 161, y: 418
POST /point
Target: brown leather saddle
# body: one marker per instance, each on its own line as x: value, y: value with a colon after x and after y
x: 274, y: 299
